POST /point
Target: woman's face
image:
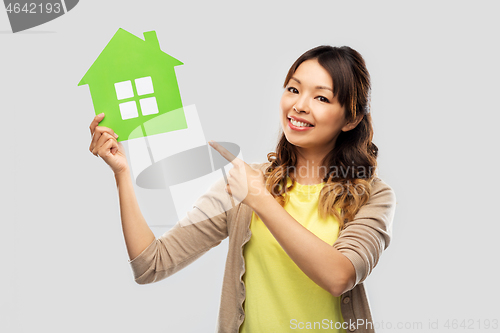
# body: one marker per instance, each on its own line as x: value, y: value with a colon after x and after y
x: 308, y: 96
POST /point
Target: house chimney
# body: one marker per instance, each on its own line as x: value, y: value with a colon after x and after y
x: 150, y: 37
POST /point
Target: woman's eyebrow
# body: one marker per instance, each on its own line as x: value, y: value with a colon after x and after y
x: 326, y: 88
x: 317, y: 87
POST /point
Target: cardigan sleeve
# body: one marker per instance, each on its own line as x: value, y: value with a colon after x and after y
x: 203, y: 227
x: 364, y: 238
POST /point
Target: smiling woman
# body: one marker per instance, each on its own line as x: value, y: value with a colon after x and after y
x: 305, y: 228
x: 317, y: 250
x: 328, y: 88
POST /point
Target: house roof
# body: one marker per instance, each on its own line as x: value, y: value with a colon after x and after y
x: 125, y: 49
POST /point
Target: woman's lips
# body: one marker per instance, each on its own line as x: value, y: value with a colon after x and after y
x: 296, y: 128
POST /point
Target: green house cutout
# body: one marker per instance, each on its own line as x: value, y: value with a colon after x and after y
x: 134, y: 83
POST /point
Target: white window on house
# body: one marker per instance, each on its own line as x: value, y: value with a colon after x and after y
x: 148, y: 106
x: 124, y: 90
x: 143, y: 86
x: 129, y: 110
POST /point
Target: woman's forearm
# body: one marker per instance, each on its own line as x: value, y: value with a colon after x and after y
x: 324, y: 264
x: 138, y: 236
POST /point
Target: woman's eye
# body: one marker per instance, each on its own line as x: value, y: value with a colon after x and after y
x: 293, y: 90
x: 323, y: 99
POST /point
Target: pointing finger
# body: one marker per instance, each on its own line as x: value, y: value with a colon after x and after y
x: 225, y: 153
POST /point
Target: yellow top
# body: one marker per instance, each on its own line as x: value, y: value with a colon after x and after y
x: 279, y: 296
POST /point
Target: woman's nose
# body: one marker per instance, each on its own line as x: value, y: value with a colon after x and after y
x: 301, y: 106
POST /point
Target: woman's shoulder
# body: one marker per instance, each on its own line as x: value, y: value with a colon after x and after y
x: 381, y: 202
x: 379, y: 186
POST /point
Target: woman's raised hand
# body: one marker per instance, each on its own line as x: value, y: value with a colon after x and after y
x: 104, y: 145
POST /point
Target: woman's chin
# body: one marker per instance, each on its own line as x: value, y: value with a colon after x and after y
x: 293, y: 142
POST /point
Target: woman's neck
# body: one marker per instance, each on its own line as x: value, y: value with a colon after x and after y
x: 309, y: 171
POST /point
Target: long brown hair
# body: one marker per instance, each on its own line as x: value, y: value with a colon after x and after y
x: 353, y: 160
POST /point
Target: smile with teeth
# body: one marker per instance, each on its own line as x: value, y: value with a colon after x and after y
x: 299, y: 123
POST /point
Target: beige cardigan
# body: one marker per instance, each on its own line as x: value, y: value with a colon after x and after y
x: 213, y: 218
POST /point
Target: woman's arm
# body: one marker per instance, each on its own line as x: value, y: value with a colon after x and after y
x: 135, y: 229
x: 336, y: 268
x: 151, y: 259
x: 202, y: 228
x: 321, y: 262
x: 354, y: 254
x: 138, y: 236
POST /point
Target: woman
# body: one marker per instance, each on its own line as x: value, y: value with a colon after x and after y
x: 309, y: 225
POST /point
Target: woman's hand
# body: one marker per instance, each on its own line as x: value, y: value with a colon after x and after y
x: 244, y: 183
x: 104, y: 145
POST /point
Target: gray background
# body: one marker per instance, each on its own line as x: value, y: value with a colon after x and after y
x: 434, y: 68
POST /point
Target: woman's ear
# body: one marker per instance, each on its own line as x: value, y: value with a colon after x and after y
x: 351, y: 125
